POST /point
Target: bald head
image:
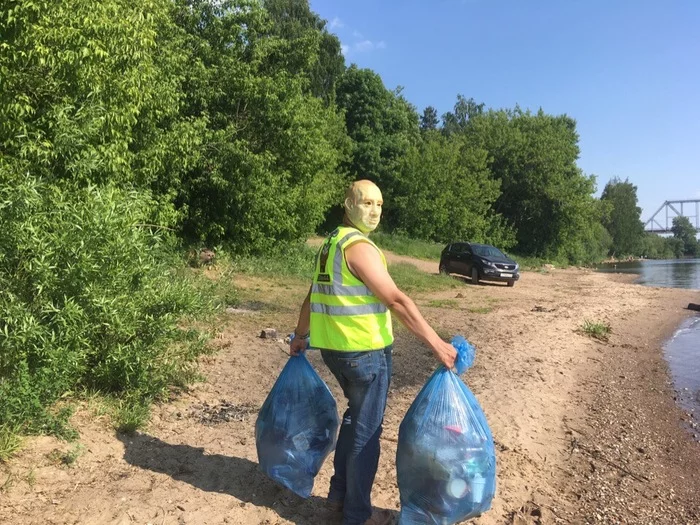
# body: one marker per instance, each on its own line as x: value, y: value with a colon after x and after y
x: 363, y: 205
x: 359, y: 188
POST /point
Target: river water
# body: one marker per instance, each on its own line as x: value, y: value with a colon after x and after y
x: 682, y: 351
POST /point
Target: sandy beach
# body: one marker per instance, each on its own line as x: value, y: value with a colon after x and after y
x: 586, y: 431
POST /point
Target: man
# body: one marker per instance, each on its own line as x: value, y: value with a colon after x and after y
x: 347, y: 315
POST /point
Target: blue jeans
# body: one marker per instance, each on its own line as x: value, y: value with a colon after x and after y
x: 364, y: 378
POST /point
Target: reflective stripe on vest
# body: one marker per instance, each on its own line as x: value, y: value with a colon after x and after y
x: 345, y: 314
x: 359, y: 309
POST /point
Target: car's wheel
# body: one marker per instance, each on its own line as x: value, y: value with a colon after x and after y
x: 511, y: 283
x: 475, y: 275
x: 443, y: 268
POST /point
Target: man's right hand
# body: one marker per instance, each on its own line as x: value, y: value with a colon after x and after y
x: 298, y: 345
x: 445, y: 353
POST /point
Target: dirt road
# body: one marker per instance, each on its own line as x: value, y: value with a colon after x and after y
x: 586, y: 431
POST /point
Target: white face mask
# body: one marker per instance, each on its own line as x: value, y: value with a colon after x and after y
x: 366, y: 208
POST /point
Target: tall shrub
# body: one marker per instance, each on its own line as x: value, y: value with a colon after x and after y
x: 91, y: 297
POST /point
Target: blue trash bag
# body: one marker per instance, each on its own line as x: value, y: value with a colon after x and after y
x: 445, y: 461
x: 296, y: 427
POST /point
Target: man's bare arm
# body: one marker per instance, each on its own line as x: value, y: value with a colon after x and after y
x: 298, y: 344
x: 365, y: 262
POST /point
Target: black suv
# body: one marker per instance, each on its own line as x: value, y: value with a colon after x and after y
x: 478, y: 261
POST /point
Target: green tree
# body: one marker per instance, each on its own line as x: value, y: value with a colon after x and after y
x: 429, y: 120
x: 458, y: 119
x: 623, y: 222
x: 265, y: 161
x: 656, y: 247
x: 382, y: 126
x: 544, y: 195
x: 303, y: 31
x: 684, y: 231
x: 93, y: 298
x: 444, y: 192
x: 80, y: 83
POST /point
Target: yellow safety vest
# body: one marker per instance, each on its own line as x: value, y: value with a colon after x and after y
x: 345, y: 315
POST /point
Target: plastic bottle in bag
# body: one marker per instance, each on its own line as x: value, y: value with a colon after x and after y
x: 296, y: 427
x: 445, y: 461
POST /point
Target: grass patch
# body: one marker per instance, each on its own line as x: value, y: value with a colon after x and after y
x: 69, y: 457
x: 401, y: 245
x: 443, y: 303
x: 597, y: 330
x: 96, y: 403
x: 129, y: 416
x: 223, y: 292
x: 531, y: 263
x: 10, y: 441
x: 537, y: 264
x: 296, y: 260
x: 480, y: 309
x: 410, y: 279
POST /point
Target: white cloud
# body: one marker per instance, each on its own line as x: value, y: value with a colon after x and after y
x: 336, y: 23
x: 363, y: 46
x: 358, y: 44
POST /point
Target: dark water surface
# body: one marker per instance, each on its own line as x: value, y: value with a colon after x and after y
x: 682, y: 351
x: 669, y: 273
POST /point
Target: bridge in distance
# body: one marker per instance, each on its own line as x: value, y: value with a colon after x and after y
x: 662, y: 220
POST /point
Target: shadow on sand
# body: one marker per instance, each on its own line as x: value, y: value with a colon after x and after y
x: 238, y: 477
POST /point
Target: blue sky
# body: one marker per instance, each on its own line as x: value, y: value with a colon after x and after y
x: 628, y: 71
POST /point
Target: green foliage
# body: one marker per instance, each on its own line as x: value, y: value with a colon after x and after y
x: 684, y: 231
x: 544, y: 195
x: 131, y: 414
x: 90, y: 299
x: 457, y: 120
x: 676, y: 246
x: 480, y: 309
x: 443, y: 303
x: 207, y: 104
x: 403, y: 245
x: 302, y: 29
x: 622, y: 220
x: 288, y: 260
x: 381, y: 124
x: 410, y: 279
x: 429, y: 120
x: 657, y: 247
x: 444, y: 192
x: 68, y: 457
x: 587, y: 243
x: 597, y: 330
x: 79, y: 82
x: 264, y: 164
x: 9, y: 441
x: 534, y: 263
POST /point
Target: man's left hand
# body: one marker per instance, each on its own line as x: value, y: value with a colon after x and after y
x: 298, y: 345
